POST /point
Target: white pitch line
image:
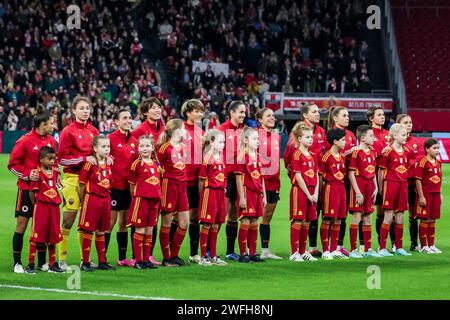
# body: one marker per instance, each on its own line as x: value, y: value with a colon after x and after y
x: 90, y: 293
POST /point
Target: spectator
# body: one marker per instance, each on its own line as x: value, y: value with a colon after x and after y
x: 12, y: 121
x: 3, y: 118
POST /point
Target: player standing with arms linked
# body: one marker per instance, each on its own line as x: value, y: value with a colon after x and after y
x: 23, y: 161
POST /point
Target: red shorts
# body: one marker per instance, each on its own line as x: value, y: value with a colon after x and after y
x: 95, y: 213
x: 212, y: 206
x: 254, y: 204
x: 367, y: 188
x: 46, y: 223
x: 433, y: 208
x: 301, y: 207
x: 174, y: 196
x: 334, y: 200
x: 395, y: 195
x: 143, y: 212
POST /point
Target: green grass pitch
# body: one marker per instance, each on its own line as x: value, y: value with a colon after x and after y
x: 415, y: 277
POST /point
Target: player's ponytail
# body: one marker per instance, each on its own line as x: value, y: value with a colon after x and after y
x: 42, y: 116
x: 170, y: 128
x: 334, y: 112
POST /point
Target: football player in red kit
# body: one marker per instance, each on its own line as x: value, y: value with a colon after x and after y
x: 75, y: 149
x: 304, y: 193
x: 393, y: 179
x: 193, y: 110
x: 153, y: 126
x: 363, y: 191
x: 145, y: 186
x: 23, y: 161
x: 251, y: 194
x: 124, y: 152
x: 174, y: 200
x: 232, y: 129
x: 311, y: 117
x: 376, y: 118
x: 212, y: 198
x: 339, y: 118
x: 46, y: 219
x: 94, y: 189
x: 412, y: 145
x: 269, y: 150
x: 429, y: 195
x: 332, y: 168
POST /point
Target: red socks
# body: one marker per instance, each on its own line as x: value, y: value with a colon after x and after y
x: 399, y: 235
x: 177, y: 241
x: 431, y: 233
x: 367, y: 234
x: 213, y: 240
x: 164, y: 241
x: 423, y: 232
x: 100, y: 246
x: 86, y: 246
x: 32, y: 252
x: 334, y: 235
x: 295, y: 237
x: 203, y: 240
x: 252, y: 237
x: 384, y: 232
x: 353, y: 236
x: 303, y: 238
x: 138, y: 239
x: 242, y: 238
x: 324, y: 236
x: 147, y: 246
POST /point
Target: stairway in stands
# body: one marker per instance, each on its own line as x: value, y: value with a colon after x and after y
x: 422, y: 29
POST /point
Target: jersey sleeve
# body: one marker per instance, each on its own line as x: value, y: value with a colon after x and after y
x: 419, y: 169
x: 85, y: 172
x: 353, y: 165
x: 65, y: 149
x: 296, y: 163
x: 132, y: 178
x: 322, y: 165
x: 16, y: 160
x: 383, y: 160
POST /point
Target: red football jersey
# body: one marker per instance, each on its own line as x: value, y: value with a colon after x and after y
x: 230, y: 151
x: 430, y: 174
x: 124, y: 150
x: 381, y: 142
x: 306, y: 166
x: 25, y: 156
x: 145, y: 177
x: 96, y: 178
x: 213, y: 172
x: 269, y: 151
x: 396, y: 165
x: 151, y: 129
x: 363, y: 163
x: 250, y: 169
x: 194, y: 151
x: 45, y: 188
x: 412, y: 145
x: 319, y: 147
x: 173, y: 161
x: 332, y: 168
x: 75, y: 145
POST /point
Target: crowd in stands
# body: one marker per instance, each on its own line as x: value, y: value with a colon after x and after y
x: 267, y: 45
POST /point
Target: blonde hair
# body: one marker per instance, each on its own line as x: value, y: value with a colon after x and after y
x: 210, y: 137
x: 395, y: 129
x: 246, y: 132
x: 170, y: 128
x: 299, y: 130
